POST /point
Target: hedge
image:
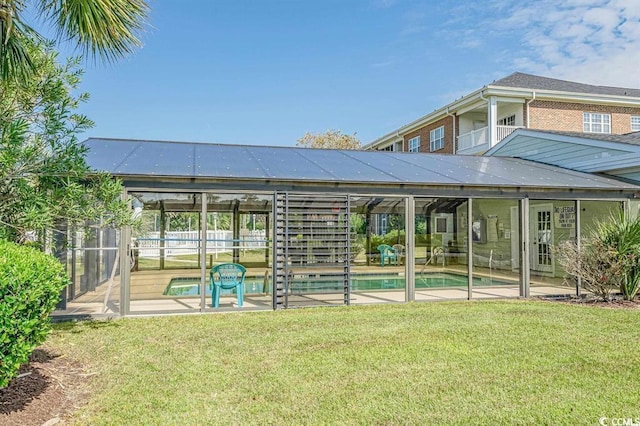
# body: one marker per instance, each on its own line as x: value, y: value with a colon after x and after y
x: 30, y: 286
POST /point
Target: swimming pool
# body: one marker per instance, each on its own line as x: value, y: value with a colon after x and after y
x: 188, y: 286
x: 315, y: 283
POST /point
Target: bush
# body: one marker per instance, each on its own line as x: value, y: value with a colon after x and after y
x: 389, y: 239
x: 30, y: 286
x: 621, y: 237
x: 608, y: 260
x: 592, y: 263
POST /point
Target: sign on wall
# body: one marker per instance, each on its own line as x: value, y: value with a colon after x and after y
x: 564, y: 217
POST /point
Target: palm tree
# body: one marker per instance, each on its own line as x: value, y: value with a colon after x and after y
x: 107, y: 29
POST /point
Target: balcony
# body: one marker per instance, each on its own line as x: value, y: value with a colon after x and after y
x: 477, y: 141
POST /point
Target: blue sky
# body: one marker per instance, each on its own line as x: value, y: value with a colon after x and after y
x: 265, y: 72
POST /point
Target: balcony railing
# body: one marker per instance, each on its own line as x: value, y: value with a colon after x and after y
x: 472, y: 139
x: 480, y: 136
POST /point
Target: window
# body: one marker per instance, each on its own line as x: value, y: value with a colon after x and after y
x: 383, y: 224
x: 414, y: 144
x: 593, y: 122
x: 635, y: 123
x: 388, y: 148
x: 441, y: 225
x: 437, y: 139
x: 507, y: 121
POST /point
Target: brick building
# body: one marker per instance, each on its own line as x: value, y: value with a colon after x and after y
x: 478, y: 121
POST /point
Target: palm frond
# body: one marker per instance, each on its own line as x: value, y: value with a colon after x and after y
x: 108, y: 29
x: 16, y: 63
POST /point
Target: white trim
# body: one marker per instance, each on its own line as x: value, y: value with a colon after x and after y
x: 590, y: 120
x: 474, y: 100
x: 473, y: 106
x: 440, y: 140
x: 512, y: 100
x: 587, y: 98
x: 543, y: 270
x: 413, y: 139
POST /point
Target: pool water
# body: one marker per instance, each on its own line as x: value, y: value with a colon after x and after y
x: 191, y: 287
x: 362, y: 282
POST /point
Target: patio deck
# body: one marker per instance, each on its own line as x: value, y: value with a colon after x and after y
x: 147, y: 287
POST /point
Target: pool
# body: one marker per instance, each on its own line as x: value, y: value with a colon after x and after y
x: 316, y: 283
x: 191, y: 287
x: 445, y: 279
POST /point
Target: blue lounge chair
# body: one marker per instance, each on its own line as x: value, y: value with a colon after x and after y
x: 227, y: 276
x: 387, y: 252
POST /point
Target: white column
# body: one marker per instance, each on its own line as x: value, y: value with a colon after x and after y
x: 525, y: 265
x: 492, y: 120
x: 125, y: 271
x: 409, y: 243
x: 470, y: 248
x: 203, y: 252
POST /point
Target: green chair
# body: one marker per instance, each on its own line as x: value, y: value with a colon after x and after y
x: 227, y: 276
x: 399, y: 248
x: 387, y: 252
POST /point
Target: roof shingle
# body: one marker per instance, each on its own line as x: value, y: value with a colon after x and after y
x: 529, y: 81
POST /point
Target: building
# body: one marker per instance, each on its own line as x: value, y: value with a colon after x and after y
x: 476, y: 122
x: 302, y: 222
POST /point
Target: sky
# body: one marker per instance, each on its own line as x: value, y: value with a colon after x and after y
x: 265, y: 72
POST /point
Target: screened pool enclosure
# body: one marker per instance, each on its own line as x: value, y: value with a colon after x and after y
x: 327, y: 227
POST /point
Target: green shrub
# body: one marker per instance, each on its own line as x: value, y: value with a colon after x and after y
x: 621, y: 237
x: 389, y: 239
x: 30, y: 286
x: 608, y: 259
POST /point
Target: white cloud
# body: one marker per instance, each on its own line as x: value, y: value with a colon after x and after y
x: 589, y: 41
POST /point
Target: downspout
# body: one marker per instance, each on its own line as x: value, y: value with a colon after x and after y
x: 533, y: 98
x: 482, y: 96
x: 454, y: 129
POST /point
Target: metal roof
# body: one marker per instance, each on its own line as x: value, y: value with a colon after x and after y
x: 155, y: 159
x: 627, y: 138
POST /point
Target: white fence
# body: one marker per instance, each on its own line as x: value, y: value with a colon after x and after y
x: 472, y: 139
x: 504, y: 131
x: 480, y: 137
x: 188, y: 242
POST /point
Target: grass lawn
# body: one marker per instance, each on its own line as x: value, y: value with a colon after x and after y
x: 499, y: 362
x: 193, y: 260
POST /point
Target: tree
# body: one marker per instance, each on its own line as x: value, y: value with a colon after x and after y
x: 44, y: 178
x: 331, y: 139
x: 107, y: 28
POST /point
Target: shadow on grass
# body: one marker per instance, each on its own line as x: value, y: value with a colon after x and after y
x: 77, y: 325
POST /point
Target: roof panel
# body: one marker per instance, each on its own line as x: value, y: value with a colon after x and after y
x: 199, y: 160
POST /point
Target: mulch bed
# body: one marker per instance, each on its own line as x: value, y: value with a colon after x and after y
x: 615, y: 303
x: 47, y: 390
